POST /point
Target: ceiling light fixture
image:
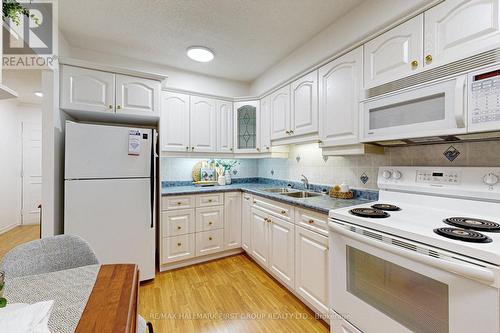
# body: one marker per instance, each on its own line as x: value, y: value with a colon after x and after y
x: 200, y: 53
x: 39, y: 94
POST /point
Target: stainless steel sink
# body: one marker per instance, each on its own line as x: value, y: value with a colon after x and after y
x: 282, y: 190
x: 302, y: 194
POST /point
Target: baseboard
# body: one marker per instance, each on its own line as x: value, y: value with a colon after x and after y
x: 8, y: 227
x: 198, y: 260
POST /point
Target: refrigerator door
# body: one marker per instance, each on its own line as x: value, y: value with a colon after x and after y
x: 99, y: 151
x: 115, y: 217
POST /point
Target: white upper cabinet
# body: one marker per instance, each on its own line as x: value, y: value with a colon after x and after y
x: 247, y: 127
x: 455, y: 29
x: 87, y: 90
x: 202, y: 125
x: 265, y: 125
x: 174, y: 122
x: 394, y: 54
x: 339, y: 87
x: 280, y: 113
x: 136, y: 96
x: 224, y: 112
x: 304, y: 105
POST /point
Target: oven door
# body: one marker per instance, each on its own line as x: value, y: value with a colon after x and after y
x: 435, y: 109
x: 385, y: 284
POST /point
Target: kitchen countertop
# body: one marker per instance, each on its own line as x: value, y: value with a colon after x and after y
x: 322, y: 203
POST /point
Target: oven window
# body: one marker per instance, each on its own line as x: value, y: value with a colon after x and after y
x: 430, y: 108
x: 414, y: 300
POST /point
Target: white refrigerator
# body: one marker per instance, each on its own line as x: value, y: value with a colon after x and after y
x: 110, y: 192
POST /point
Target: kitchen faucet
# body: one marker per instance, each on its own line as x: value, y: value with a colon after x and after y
x: 305, y: 181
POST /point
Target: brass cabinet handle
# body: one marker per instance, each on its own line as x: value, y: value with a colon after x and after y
x: 179, y: 203
x: 110, y: 106
x: 311, y: 221
x: 192, y: 148
x: 231, y: 149
x: 320, y: 142
x: 209, y: 238
x: 414, y: 64
x: 258, y: 149
x: 291, y: 131
x: 210, y: 200
x: 428, y: 59
x: 118, y: 107
x: 283, y: 212
x: 179, y: 244
x: 267, y: 147
x: 179, y: 228
x: 187, y: 148
x: 246, y: 198
x: 287, y: 132
x: 209, y: 223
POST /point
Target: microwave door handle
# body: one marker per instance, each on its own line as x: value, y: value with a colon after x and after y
x: 481, y: 274
x: 460, y: 101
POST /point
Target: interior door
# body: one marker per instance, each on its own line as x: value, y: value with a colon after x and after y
x: 224, y: 126
x: 32, y: 172
x: 304, y: 104
x: 202, y: 125
x: 260, y: 237
x: 280, y: 113
x: 174, y: 122
x: 394, y: 54
x: 281, y: 250
x: 137, y: 96
x: 455, y: 29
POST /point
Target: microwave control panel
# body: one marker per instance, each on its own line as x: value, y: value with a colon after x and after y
x: 484, y: 106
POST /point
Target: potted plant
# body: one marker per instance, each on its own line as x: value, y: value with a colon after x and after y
x: 226, y: 166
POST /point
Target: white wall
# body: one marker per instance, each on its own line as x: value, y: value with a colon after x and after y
x: 12, y: 114
x: 364, y: 20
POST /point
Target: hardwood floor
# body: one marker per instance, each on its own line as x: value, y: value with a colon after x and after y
x: 18, y: 235
x: 227, y: 295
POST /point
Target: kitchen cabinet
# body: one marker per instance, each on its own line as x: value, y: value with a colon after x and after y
x: 281, y: 250
x: 137, y: 96
x: 177, y: 248
x: 232, y: 220
x: 209, y: 218
x: 224, y: 110
x: 394, y: 54
x: 339, y: 87
x: 246, y: 125
x: 265, y: 124
x: 279, y: 106
x: 311, y: 268
x: 202, y: 127
x: 260, y: 237
x: 455, y: 29
x: 174, y: 122
x: 178, y: 222
x: 209, y: 242
x: 304, y: 105
x: 246, y: 221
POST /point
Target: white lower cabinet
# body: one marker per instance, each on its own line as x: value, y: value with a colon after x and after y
x: 177, y: 248
x: 246, y: 222
x: 209, y: 218
x: 311, y: 268
x: 178, y: 222
x: 259, y: 231
x: 281, y: 250
x: 232, y: 220
x: 208, y: 242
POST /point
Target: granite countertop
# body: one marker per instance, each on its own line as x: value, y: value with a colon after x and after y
x: 322, y: 203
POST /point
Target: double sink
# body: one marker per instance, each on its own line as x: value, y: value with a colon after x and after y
x: 292, y: 192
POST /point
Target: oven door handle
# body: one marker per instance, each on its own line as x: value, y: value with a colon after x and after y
x: 460, y: 101
x: 477, y: 273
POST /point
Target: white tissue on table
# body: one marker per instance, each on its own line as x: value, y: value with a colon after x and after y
x: 26, y: 318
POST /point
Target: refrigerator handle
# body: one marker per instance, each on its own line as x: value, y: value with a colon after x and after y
x: 152, y: 180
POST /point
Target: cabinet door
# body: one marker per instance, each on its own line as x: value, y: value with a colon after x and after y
x: 203, y: 128
x: 304, y: 105
x: 340, y: 82
x: 394, y: 54
x: 281, y: 250
x: 136, y: 96
x: 260, y: 237
x: 224, y: 126
x: 280, y: 113
x: 456, y: 29
x: 311, y: 268
x: 87, y: 90
x: 174, y: 122
x: 246, y: 127
x: 246, y: 222
x: 177, y: 248
x: 232, y: 220
x: 177, y: 222
x: 265, y: 125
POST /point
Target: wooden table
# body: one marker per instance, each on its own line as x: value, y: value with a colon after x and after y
x: 112, y: 305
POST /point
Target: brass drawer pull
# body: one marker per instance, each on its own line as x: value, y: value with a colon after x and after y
x: 311, y: 221
x: 283, y: 212
x: 210, y: 200
x: 428, y: 59
x: 209, y: 238
x: 179, y: 203
x: 179, y: 228
x: 209, y: 223
x: 110, y: 106
x: 414, y: 64
x: 179, y: 244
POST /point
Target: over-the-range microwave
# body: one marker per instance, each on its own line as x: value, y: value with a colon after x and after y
x: 429, y: 112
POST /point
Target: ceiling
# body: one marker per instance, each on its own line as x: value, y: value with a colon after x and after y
x: 25, y: 83
x: 247, y: 36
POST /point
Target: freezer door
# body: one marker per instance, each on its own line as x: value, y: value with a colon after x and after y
x: 99, y: 151
x: 115, y: 217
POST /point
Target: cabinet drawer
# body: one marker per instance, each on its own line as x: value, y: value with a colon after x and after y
x: 312, y: 220
x: 207, y: 200
x: 209, y: 242
x: 177, y: 248
x: 177, y: 222
x: 281, y: 210
x: 178, y: 202
x: 209, y: 218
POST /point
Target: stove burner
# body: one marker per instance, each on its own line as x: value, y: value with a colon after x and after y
x: 463, y: 235
x: 387, y: 207
x: 473, y: 224
x: 369, y: 212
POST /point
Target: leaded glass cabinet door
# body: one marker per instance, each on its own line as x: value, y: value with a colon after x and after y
x: 247, y: 129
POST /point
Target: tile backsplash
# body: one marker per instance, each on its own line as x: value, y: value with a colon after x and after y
x: 358, y: 171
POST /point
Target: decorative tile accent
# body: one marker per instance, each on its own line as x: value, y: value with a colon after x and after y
x: 235, y: 172
x: 325, y: 158
x: 451, y: 153
x: 298, y: 158
x: 364, y: 178
x: 272, y: 172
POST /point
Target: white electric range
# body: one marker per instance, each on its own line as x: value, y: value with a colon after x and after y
x: 424, y: 258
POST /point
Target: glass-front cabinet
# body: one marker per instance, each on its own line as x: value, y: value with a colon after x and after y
x: 246, y: 126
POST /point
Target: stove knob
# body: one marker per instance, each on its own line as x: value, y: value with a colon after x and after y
x: 387, y: 174
x: 490, y: 179
x: 396, y: 175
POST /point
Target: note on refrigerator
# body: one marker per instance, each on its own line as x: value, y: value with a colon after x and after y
x: 134, y: 142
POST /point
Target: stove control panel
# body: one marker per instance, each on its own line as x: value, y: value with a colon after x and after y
x: 438, y: 177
